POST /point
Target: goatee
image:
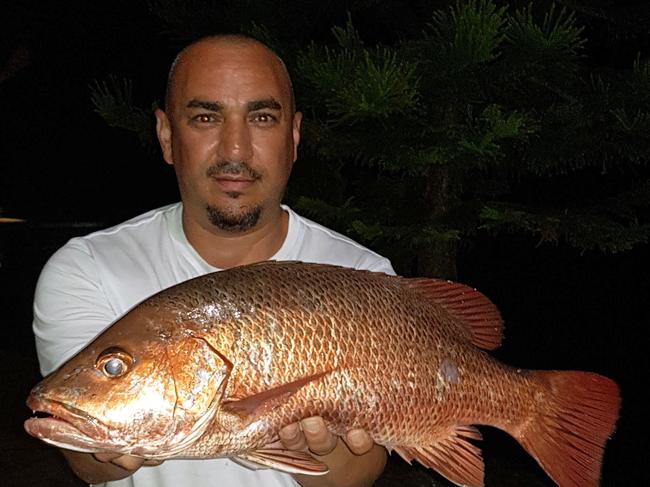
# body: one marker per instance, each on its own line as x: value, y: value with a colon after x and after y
x: 231, y: 222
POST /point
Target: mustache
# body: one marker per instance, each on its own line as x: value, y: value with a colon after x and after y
x: 232, y: 168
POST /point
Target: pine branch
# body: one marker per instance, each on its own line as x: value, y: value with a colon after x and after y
x: 557, y: 39
x: 359, y: 83
x: 468, y: 33
x: 338, y: 217
x: 490, y: 128
x: 609, y: 226
x: 113, y: 101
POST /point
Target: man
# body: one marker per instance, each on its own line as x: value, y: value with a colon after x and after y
x: 231, y: 132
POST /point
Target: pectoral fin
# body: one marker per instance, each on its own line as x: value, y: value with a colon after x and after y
x: 289, y: 461
x: 252, y: 407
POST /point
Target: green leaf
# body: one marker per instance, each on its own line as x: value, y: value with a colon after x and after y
x: 113, y: 101
x: 360, y: 85
x: 490, y: 127
x: 557, y: 39
x: 469, y: 33
x: 587, y: 229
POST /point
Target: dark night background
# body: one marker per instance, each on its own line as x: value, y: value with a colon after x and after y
x: 65, y: 172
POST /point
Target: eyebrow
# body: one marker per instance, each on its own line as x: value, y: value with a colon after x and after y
x: 215, y: 106
x: 269, y: 103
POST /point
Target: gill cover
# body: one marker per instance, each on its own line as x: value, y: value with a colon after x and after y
x: 199, y: 373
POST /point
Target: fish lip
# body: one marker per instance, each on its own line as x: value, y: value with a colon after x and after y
x: 73, y: 429
x: 81, y: 421
x: 59, y: 432
x: 55, y: 408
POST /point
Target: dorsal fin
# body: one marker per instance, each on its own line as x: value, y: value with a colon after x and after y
x: 478, y: 316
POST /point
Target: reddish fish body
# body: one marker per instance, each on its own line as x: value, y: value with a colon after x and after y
x: 217, y: 365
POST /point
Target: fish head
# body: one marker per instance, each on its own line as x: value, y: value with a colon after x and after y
x: 148, y: 386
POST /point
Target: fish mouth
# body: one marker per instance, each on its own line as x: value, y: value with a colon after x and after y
x: 66, y: 427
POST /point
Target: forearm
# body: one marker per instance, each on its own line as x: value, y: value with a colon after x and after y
x: 89, y: 469
x: 348, y: 469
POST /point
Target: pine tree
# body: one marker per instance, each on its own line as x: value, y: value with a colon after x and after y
x: 487, y: 118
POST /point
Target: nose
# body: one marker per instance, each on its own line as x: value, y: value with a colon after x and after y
x: 235, y: 141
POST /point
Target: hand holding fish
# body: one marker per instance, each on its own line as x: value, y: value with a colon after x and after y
x: 353, y: 460
x: 126, y: 462
x: 103, y: 467
x: 312, y: 433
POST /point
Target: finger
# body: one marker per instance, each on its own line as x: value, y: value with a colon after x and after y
x: 292, y: 438
x: 152, y: 463
x: 318, y: 437
x: 106, y: 457
x: 358, y: 441
x: 127, y: 462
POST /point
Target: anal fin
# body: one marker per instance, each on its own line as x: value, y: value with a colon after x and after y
x: 453, y: 457
x: 289, y: 461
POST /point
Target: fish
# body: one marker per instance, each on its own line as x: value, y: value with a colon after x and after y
x: 215, y: 366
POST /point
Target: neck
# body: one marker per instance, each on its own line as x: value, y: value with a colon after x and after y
x: 224, y: 249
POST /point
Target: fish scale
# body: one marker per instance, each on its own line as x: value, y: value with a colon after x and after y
x: 241, y: 353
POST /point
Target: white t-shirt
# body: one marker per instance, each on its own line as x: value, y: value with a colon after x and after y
x: 93, y: 280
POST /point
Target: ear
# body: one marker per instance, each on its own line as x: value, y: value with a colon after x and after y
x: 297, y: 120
x: 164, y: 131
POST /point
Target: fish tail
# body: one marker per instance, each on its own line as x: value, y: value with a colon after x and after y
x: 568, y: 432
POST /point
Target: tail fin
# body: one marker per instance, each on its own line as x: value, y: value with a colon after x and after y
x: 568, y: 435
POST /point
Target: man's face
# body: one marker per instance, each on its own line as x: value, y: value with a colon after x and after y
x: 230, y: 133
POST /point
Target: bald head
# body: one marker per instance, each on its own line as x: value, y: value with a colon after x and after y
x: 204, y: 50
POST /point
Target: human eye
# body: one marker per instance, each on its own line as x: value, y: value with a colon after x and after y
x: 264, y: 118
x: 203, y: 118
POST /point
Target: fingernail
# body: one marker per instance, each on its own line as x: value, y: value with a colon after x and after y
x: 356, y: 438
x: 291, y: 431
x: 311, y: 425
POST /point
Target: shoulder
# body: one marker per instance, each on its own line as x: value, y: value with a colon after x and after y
x: 83, y: 257
x: 131, y: 237
x: 318, y: 243
x: 142, y: 227
x: 123, y: 254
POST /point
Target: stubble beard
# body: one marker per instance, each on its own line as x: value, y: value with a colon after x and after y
x: 230, y: 220
x: 234, y: 222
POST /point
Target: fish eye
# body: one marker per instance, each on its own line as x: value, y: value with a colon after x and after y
x: 114, y: 367
x: 114, y: 362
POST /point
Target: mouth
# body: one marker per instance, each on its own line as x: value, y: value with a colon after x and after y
x: 64, y: 426
x: 229, y: 183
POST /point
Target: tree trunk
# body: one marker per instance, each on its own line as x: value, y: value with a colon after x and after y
x: 438, y: 259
